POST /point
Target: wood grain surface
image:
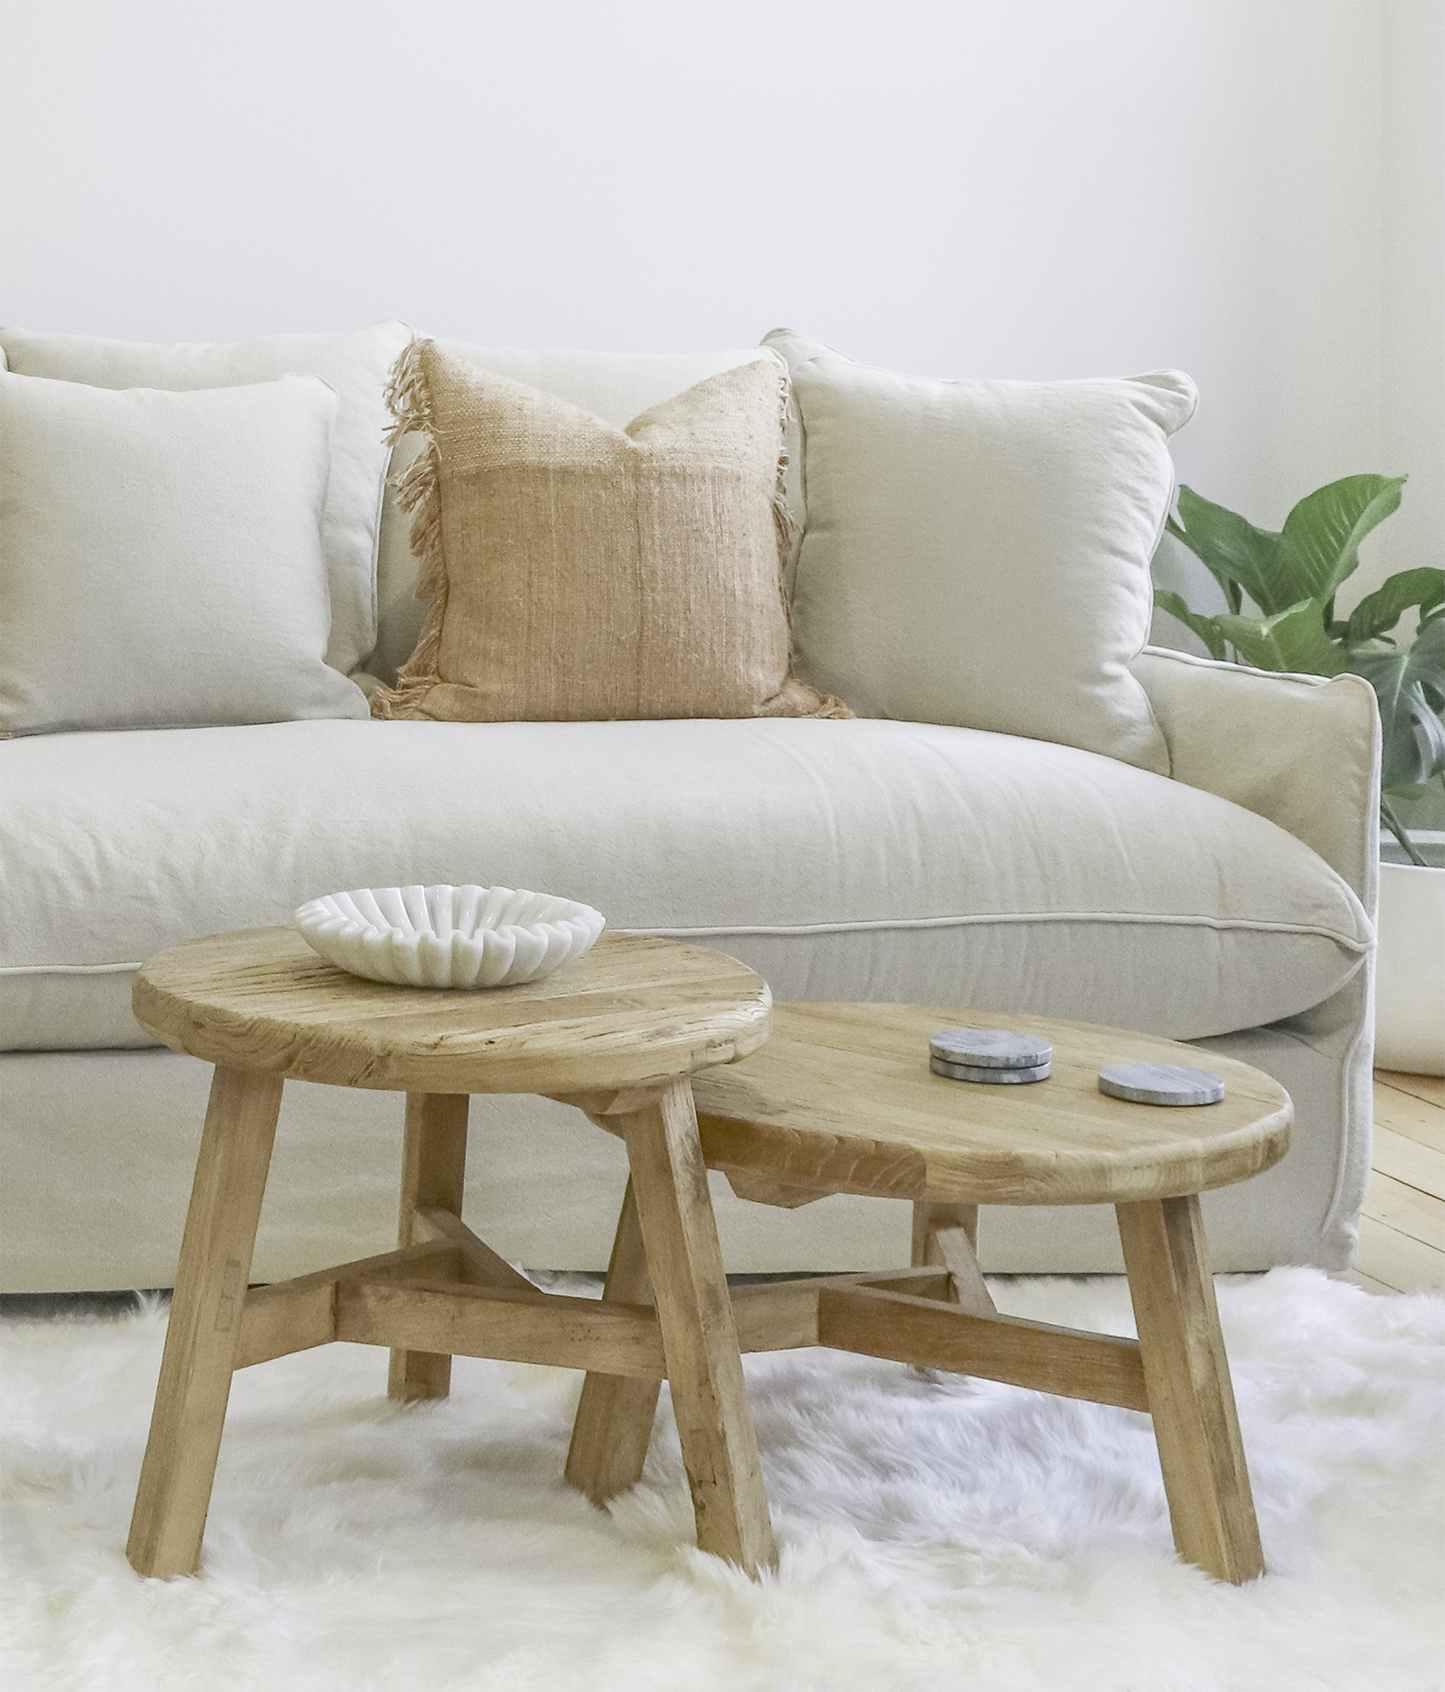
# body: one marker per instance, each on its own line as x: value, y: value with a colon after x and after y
x: 632, y: 1011
x: 613, y: 1425
x: 932, y: 1335
x: 433, y: 1175
x: 1189, y: 1392
x: 841, y: 1100
x: 204, y: 1331
x: 699, y: 1334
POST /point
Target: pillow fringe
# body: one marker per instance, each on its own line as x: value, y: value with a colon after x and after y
x: 418, y: 491
x: 793, y: 698
x: 782, y: 517
x: 783, y: 523
x: 408, y: 394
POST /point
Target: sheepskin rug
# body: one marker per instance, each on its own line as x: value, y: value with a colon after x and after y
x: 939, y: 1534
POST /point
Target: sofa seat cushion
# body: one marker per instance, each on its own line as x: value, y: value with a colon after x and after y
x: 845, y: 860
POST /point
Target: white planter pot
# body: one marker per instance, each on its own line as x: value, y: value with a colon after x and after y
x: 1410, y: 983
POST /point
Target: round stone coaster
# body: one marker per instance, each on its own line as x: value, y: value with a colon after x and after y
x: 996, y: 1077
x: 1160, y: 1084
x: 990, y: 1048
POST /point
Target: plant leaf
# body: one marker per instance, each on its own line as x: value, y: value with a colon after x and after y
x: 1427, y: 653
x: 1207, y: 628
x: 1426, y: 667
x: 1409, y: 757
x: 1234, y: 552
x: 1290, y: 640
x: 1400, y: 832
x: 1320, y: 541
x: 1378, y: 612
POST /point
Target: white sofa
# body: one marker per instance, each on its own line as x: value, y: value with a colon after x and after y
x: 1229, y: 902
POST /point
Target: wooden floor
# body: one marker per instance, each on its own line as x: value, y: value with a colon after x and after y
x: 1402, y: 1231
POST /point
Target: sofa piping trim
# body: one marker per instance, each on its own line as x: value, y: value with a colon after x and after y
x: 863, y: 926
x: 1223, y: 925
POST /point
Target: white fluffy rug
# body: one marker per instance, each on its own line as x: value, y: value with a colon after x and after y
x: 938, y: 1534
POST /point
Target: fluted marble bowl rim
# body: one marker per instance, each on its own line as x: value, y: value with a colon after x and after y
x: 448, y: 936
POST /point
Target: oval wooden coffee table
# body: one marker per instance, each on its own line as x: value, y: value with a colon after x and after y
x: 841, y: 1100
x: 619, y: 1033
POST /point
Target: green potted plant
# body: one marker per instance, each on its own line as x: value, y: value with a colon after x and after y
x: 1280, y: 589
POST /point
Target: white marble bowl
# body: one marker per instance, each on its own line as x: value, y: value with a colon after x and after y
x: 448, y: 936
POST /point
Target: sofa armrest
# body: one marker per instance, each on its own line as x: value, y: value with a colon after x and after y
x: 1303, y: 751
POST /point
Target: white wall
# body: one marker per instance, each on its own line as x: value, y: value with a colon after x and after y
x: 1413, y: 303
x: 1028, y: 188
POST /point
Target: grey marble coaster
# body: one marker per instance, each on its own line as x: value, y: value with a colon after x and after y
x: 990, y: 1048
x: 976, y: 1072
x: 1160, y: 1084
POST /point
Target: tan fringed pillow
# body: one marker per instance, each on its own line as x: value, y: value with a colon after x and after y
x: 573, y: 570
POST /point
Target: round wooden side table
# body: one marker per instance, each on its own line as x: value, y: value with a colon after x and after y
x: 619, y: 1033
x: 842, y: 1100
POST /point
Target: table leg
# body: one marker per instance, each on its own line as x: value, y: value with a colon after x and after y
x: 699, y: 1335
x: 1190, y: 1395
x: 947, y: 1235
x: 433, y: 1171
x: 614, y: 1417
x: 205, y: 1324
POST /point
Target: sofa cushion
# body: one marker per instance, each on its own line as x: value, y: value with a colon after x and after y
x: 160, y: 556
x: 354, y: 362
x: 612, y: 386
x: 845, y: 860
x: 575, y: 570
x: 977, y: 552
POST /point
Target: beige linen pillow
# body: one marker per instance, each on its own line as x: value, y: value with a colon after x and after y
x: 353, y: 362
x: 977, y: 552
x: 612, y: 386
x: 574, y: 570
x: 161, y: 561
